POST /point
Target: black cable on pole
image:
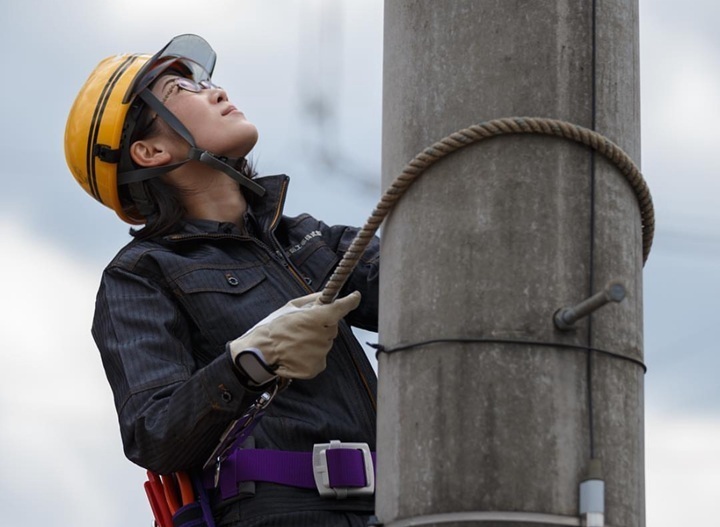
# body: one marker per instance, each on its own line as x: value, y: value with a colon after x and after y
x: 381, y: 348
x: 591, y: 274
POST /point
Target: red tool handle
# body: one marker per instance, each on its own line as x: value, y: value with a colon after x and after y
x: 172, y: 494
x: 156, y: 497
x: 186, y: 488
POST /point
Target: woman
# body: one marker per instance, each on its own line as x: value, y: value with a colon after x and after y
x: 213, y: 302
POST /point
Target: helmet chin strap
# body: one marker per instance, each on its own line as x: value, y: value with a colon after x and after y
x: 227, y: 165
x: 222, y: 163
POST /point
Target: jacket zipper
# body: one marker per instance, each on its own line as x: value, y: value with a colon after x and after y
x: 296, y: 274
x: 278, y: 250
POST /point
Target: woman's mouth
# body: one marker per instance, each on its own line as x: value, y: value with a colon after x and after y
x: 230, y: 109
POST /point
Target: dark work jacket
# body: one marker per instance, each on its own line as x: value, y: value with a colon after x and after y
x: 166, y: 309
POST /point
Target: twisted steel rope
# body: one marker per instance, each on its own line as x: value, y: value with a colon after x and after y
x: 475, y: 134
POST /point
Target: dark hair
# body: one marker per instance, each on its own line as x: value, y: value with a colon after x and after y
x: 167, y: 209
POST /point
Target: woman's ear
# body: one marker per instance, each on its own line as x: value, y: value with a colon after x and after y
x: 149, y: 153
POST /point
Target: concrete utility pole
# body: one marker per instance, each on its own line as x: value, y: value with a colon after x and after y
x: 500, y: 429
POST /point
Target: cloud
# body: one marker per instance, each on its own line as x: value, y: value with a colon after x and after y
x: 680, y: 90
x: 60, y: 453
x: 680, y: 83
x: 682, y: 462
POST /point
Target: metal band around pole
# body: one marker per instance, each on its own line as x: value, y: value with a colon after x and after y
x: 487, y: 516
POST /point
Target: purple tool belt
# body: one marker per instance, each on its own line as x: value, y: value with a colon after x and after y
x: 337, y: 470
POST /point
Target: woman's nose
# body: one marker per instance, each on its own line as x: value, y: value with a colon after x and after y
x: 219, y: 95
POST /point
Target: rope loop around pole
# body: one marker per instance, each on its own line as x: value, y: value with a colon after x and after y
x: 474, y: 134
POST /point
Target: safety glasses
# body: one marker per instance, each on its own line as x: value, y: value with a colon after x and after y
x: 182, y: 83
x: 194, y: 87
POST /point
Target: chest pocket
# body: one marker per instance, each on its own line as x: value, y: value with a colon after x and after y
x: 316, y: 261
x: 223, y: 302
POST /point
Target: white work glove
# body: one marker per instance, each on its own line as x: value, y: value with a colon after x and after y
x: 294, y: 340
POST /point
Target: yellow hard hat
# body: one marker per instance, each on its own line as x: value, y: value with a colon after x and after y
x: 105, y: 114
x: 95, y: 129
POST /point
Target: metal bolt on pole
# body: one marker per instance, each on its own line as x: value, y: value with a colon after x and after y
x: 566, y: 317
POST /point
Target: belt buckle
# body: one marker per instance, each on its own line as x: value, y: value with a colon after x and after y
x: 322, y: 475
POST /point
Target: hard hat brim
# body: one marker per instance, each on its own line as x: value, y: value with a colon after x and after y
x: 191, y: 50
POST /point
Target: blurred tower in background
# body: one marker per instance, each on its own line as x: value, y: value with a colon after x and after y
x: 320, y: 77
x: 320, y: 86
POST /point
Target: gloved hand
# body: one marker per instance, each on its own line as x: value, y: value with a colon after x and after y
x: 295, y: 339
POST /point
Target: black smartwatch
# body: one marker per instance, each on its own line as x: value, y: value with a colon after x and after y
x: 255, y: 373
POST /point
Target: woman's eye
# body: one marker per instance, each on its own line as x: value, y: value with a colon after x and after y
x: 173, y: 88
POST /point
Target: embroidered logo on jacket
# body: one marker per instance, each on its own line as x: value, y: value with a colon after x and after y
x: 295, y: 248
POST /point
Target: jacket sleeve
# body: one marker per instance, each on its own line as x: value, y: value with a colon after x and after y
x: 171, y: 412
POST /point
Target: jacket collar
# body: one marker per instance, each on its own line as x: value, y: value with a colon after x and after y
x: 267, y: 210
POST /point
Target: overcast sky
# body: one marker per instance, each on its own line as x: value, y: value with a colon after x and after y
x: 61, y: 460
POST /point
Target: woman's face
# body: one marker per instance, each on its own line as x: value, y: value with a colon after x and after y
x: 215, y: 123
